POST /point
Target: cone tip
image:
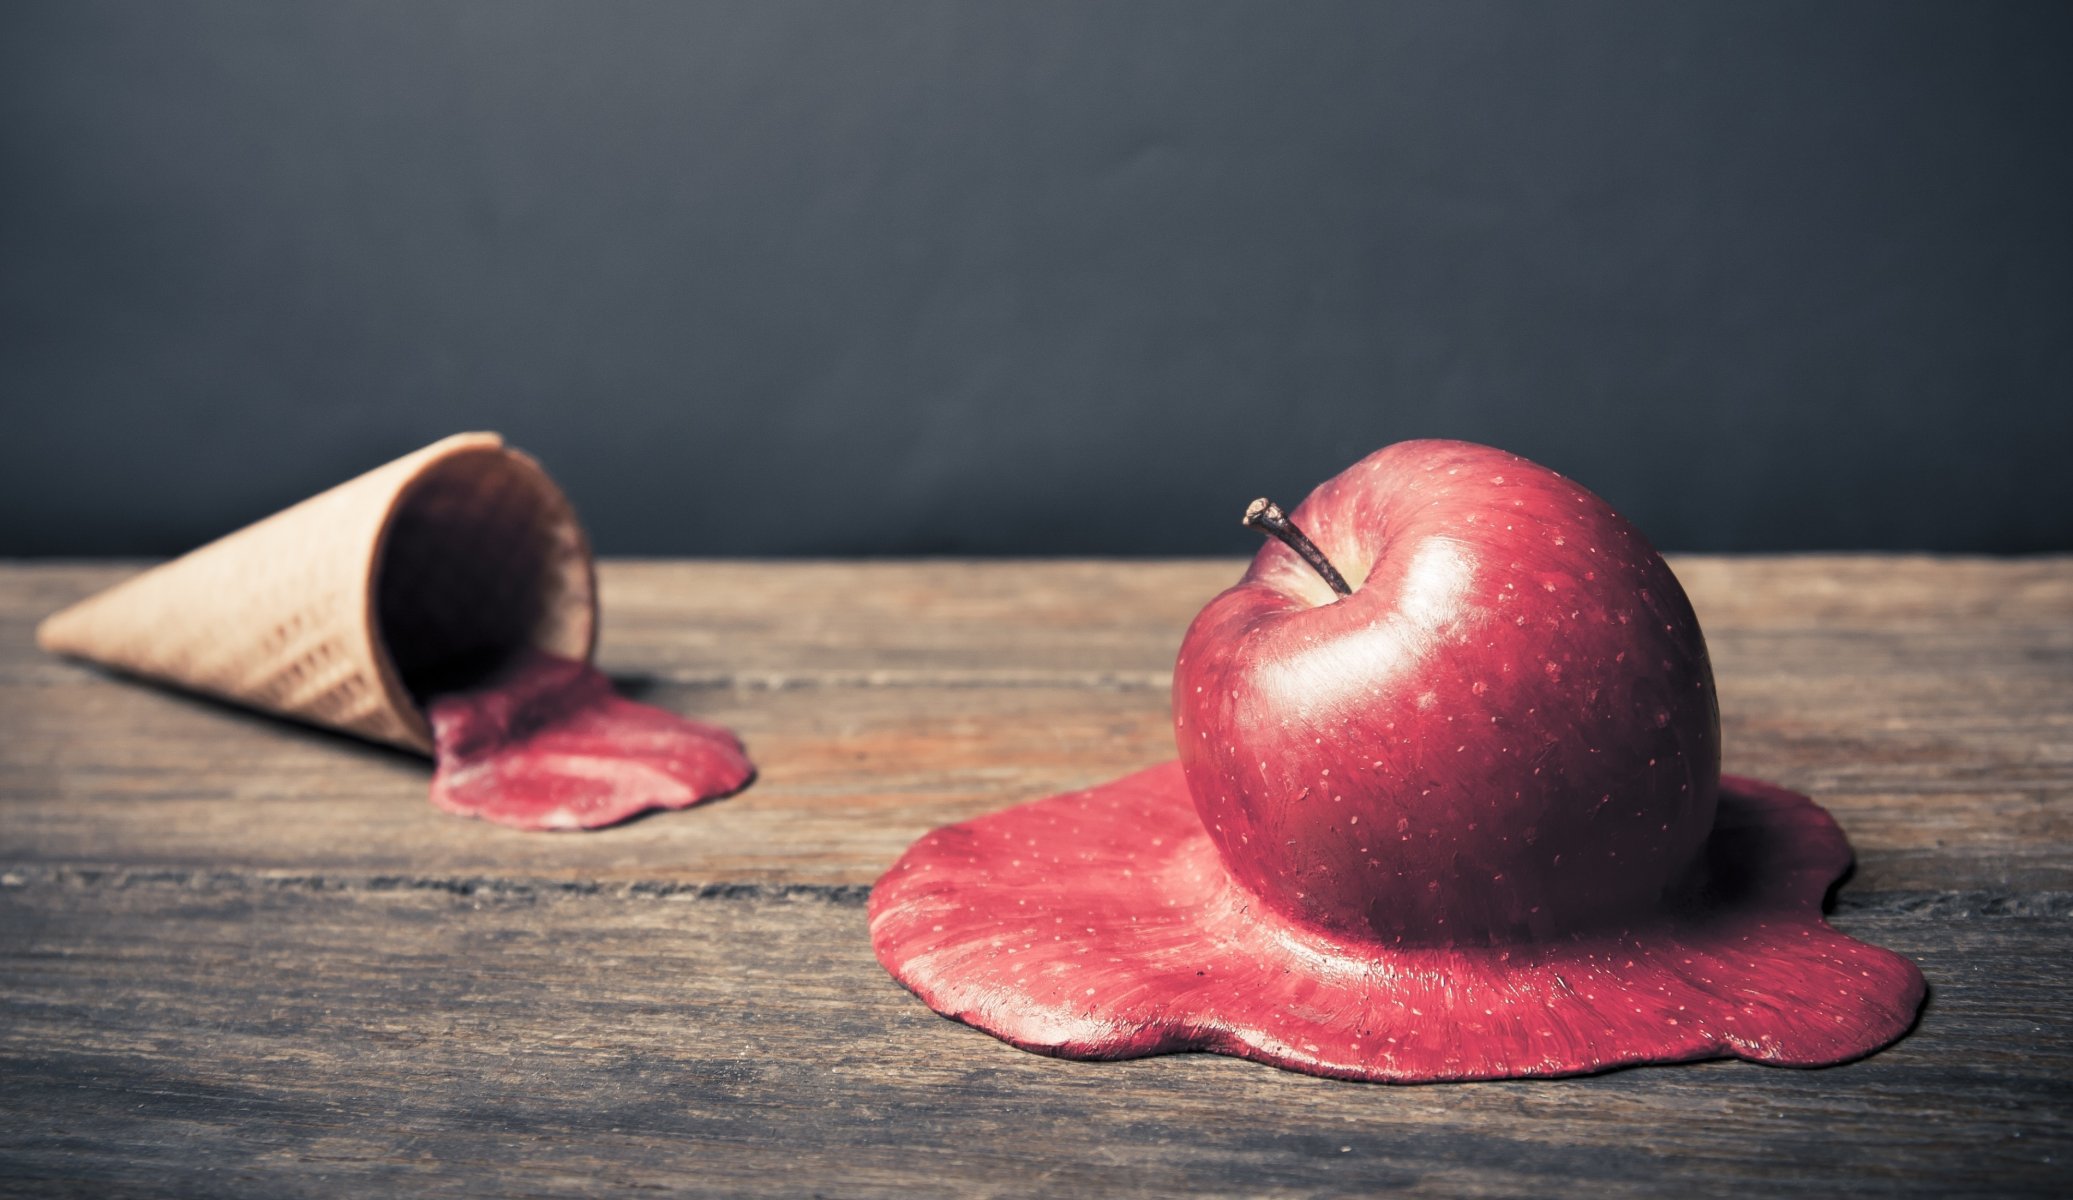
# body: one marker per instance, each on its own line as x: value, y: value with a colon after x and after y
x: 50, y: 632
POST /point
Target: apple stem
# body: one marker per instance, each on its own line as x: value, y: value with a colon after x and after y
x: 1266, y: 516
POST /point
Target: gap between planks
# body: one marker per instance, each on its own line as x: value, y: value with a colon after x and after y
x: 1925, y: 902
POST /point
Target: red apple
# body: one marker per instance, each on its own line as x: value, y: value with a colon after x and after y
x: 1507, y: 730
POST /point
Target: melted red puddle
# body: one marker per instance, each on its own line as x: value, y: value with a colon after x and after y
x: 1101, y: 924
x: 545, y: 743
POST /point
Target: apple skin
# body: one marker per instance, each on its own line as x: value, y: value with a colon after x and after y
x: 1507, y: 733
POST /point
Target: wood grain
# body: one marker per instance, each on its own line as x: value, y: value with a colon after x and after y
x: 239, y: 957
x: 226, y: 1036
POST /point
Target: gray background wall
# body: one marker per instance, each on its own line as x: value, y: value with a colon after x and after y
x: 1052, y: 278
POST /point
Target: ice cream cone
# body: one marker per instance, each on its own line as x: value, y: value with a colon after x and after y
x: 336, y: 610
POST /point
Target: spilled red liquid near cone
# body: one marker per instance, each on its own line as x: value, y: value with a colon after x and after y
x: 545, y: 743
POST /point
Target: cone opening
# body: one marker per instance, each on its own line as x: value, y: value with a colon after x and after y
x: 481, y: 557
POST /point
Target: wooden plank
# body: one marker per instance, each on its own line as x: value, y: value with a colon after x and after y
x: 772, y: 625
x: 769, y: 624
x: 1945, y: 747
x: 232, y: 1037
x: 849, y: 777
x: 852, y: 775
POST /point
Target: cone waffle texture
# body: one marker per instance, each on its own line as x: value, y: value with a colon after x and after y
x: 326, y: 612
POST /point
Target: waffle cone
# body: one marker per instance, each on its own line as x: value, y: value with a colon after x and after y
x: 332, y: 611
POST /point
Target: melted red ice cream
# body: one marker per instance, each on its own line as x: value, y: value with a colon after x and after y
x: 1102, y: 924
x: 545, y: 743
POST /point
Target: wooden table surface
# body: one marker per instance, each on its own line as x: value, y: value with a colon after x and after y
x: 242, y: 957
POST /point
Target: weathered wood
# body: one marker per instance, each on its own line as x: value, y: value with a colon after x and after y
x: 759, y: 624
x: 1943, y: 743
x: 238, y: 957
x: 852, y: 775
x: 225, y: 1036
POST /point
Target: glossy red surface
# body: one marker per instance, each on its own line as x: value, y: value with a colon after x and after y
x: 1466, y: 822
x: 1508, y: 729
x: 1101, y: 924
x: 547, y: 744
